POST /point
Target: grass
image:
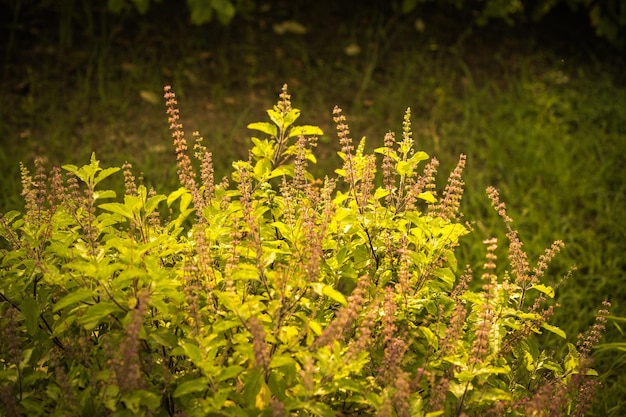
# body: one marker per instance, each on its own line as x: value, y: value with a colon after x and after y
x: 545, y: 125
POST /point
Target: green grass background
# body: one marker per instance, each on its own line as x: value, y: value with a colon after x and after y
x: 541, y: 116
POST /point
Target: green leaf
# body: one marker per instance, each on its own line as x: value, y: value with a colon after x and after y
x: 245, y: 272
x: 387, y: 152
x: 98, y: 195
x: 71, y: 168
x: 446, y: 275
x: 192, y: 351
x: 262, y: 168
x: 341, y: 172
x: 263, y: 148
x: 291, y: 117
x: 554, y: 329
x: 189, y: 387
x: 253, y: 381
x: 418, y: 157
x: 433, y: 341
x: 427, y: 196
x: 264, y: 127
x: 30, y: 310
x: 118, y: 208
x: 95, y: 313
x: 547, y: 290
x: 404, y: 167
x: 553, y: 366
x: 276, y: 117
x: 153, y: 202
x: 283, y: 170
x: 230, y: 372
x: 530, y: 362
x: 571, y: 360
x: 165, y: 337
x: 73, y: 298
x: 176, y: 195
x: 333, y: 294
x: 282, y: 360
x: 305, y: 130
x: 315, y: 327
x: 226, y: 300
x: 138, y: 398
x: 320, y: 409
x: 12, y: 215
x: 105, y: 173
x: 407, y: 167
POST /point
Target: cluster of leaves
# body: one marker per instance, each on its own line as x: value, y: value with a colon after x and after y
x: 282, y: 294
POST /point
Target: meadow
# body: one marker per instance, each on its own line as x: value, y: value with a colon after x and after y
x: 541, y: 116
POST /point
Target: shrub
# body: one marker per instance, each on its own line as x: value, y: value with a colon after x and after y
x: 282, y: 294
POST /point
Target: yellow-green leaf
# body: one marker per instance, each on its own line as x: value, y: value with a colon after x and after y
x: 547, y: 290
x: 554, y: 329
x: 335, y: 295
x: 264, y: 127
x: 305, y: 130
x: 427, y: 196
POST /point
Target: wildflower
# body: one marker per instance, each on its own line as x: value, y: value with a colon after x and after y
x: 185, y: 170
x: 130, y: 184
x: 388, y: 165
x: 345, y: 316
x: 450, y: 204
x: 259, y: 346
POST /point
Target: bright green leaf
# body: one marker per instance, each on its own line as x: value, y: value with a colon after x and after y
x: 554, y: 329
x: 283, y: 170
x: 192, y: 351
x: 291, y: 117
x: 547, y: 290
x: 427, y: 196
x: 99, y: 195
x: 305, y: 130
x: 383, y: 150
x: 335, y: 295
x: 118, y: 208
x: 226, y: 299
x: 282, y: 360
x: 264, y: 127
x: 262, y: 168
x: 176, y: 195
x: 153, y: 202
x: 105, y: 173
x: 189, y: 387
x: 276, y: 117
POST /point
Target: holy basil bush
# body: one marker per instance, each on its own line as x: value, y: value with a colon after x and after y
x: 274, y: 293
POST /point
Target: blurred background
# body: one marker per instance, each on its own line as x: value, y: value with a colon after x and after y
x: 534, y: 92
